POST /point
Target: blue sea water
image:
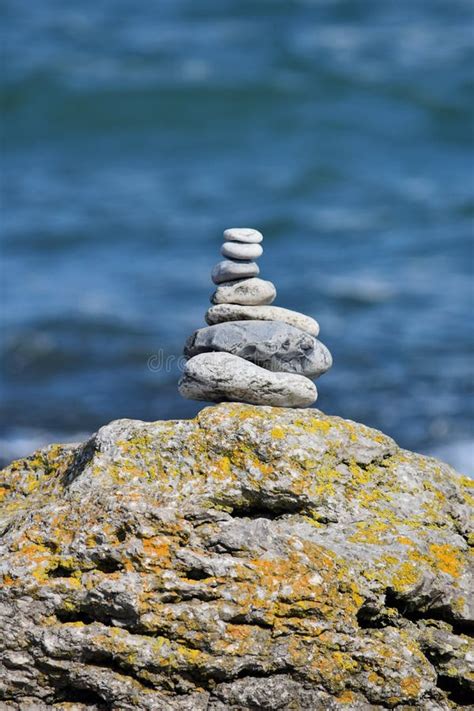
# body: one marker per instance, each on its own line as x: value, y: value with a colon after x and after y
x: 134, y: 133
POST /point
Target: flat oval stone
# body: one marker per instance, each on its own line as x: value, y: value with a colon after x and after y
x: 243, y: 234
x: 245, y: 292
x: 230, y: 270
x: 223, y: 377
x: 236, y: 312
x: 238, y: 250
x: 273, y: 345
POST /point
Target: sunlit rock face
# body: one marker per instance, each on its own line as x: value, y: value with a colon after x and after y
x: 252, y: 558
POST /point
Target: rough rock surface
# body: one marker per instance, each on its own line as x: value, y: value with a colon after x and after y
x: 239, y: 250
x: 243, y: 234
x: 273, y: 345
x: 223, y: 377
x: 233, y: 312
x: 252, y: 558
x: 231, y: 270
x: 247, y: 292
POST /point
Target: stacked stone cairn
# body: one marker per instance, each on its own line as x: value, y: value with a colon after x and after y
x: 251, y: 351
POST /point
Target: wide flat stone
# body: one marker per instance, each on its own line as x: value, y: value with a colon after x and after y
x: 223, y: 377
x: 239, y: 250
x: 243, y: 234
x: 273, y: 345
x: 245, y: 292
x: 236, y: 312
x: 230, y: 270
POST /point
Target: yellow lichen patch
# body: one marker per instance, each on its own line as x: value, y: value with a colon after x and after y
x: 156, y: 550
x: 313, y: 520
x: 411, y: 686
x: 405, y: 576
x: 371, y: 496
x: 347, y: 697
x: 277, y: 433
x: 34, y: 476
x: 324, y: 482
x: 241, y: 640
x: 246, y: 414
x: 61, y: 530
x: 374, y: 678
x: 447, y: 559
x: 459, y: 604
x: 221, y: 468
x: 381, y: 569
x: 405, y: 541
x: 136, y: 446
x: 242, y: 456
x: 444, y: 558
x: 316, y: 425
x: 172, y: 655
x: 239, y: 632
x: 360, y: 476
x: 232, y: 410
x: 373, y: 532
x: 308, y: 584
x: 469, y: 499
x: 91, y: 540
x: 329, y: 666
x: 344, y: 661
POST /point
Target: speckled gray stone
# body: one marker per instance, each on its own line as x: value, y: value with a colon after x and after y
x: 245, y: 292
x: 235, y: 312
x: 273, y: 345
x: 239, y: 250
x: 243, y: 234
x: 230, y: 270
x: 220, y: 377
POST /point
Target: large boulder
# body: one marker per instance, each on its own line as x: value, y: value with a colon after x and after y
x: 252, y: 558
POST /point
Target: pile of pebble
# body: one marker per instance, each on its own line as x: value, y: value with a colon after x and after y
x: 251, y: 351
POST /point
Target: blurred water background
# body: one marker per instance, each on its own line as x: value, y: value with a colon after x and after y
x: 133, y: 133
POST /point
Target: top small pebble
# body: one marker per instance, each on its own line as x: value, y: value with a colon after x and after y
x: 243, y: 234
